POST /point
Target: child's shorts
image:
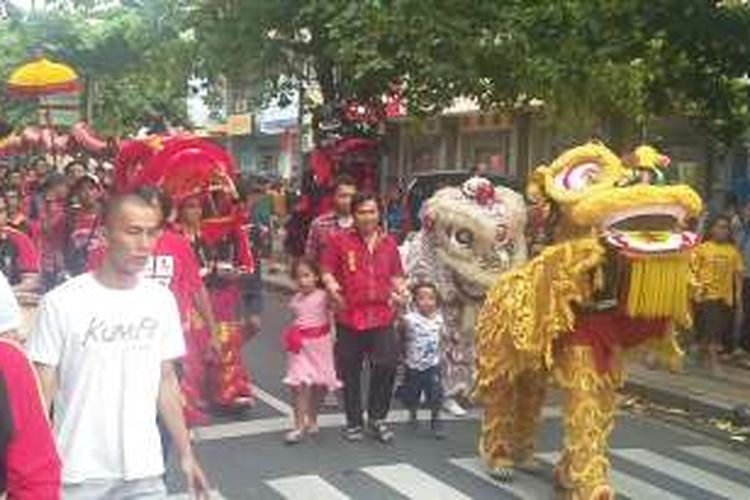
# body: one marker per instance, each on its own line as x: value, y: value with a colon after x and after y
x: 714, y: 320
x: 418, y: 382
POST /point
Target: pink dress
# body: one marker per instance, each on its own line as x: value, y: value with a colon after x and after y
x: 313, y: 364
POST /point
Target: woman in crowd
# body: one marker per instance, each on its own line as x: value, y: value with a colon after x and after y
x: 48, y: 228
x: 83, y: 225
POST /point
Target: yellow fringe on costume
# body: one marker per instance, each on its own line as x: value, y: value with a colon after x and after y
x: 531, y: 306
x: 659, y: 287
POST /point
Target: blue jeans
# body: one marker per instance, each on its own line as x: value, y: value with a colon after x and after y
x: 418, y: 382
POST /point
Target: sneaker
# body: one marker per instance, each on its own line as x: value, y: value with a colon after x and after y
x: 353, y: 434
x: 381, y: 432
x: 451, y: 406
x: 413, y: 420
x: 294, y: 436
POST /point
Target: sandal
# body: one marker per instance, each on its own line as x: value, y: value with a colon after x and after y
x: 294, y: 436
x: 382, y: 432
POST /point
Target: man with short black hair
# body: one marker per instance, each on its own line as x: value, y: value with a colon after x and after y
x: 104, y: 346
x: 339, y: 218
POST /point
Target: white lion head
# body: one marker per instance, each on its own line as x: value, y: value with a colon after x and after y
x: 477, y: 229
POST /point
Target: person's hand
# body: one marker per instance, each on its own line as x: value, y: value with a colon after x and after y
x: 198, y: 487
x: 337, y: 300
x: 400, y: 296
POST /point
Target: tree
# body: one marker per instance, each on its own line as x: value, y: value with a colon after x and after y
x: 132, y: 59
x: 588, y: 61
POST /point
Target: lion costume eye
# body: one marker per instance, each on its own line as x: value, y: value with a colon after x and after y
x: 578, y: 177
x: 464, y: 237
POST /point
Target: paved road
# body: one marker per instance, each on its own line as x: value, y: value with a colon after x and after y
x: 246, y: 459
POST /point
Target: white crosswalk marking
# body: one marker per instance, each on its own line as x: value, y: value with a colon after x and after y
x: 524, y: 486
x: 308, y: 487
x: 413, y: 483
x: 212, y: 495
x: 624, y: 483
x: 685, y: 473
x: 719, y: 456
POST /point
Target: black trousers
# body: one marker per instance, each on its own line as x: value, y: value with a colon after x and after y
x: 714, y: 321
x: 380, y: 347
x: 427, y: 382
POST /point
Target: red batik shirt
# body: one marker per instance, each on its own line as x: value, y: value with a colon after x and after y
x: 366, y: 278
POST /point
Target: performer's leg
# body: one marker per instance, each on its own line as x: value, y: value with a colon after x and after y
x: 530, y: 393
x: 233, y: 382
x: 496, y: 439
x: 588, y: 415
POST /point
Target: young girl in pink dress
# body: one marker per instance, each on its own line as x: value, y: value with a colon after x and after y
x: 310, y: 369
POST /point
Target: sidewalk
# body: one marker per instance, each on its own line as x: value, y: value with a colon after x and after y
x: 693, y: 390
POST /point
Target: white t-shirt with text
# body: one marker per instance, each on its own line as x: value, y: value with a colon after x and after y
x: 108, y: 346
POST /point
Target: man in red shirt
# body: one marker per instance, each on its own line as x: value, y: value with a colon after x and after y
x: 29, y: 464
x: 362, y: 272
x: 339, y: 219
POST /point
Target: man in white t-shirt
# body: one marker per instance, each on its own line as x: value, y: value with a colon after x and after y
x: 103, y: 346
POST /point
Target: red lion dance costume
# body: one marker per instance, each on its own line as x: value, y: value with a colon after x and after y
x: 195, y: 169
x: 614, y: 278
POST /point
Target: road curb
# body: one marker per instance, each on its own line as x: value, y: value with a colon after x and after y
x: 671, y: 399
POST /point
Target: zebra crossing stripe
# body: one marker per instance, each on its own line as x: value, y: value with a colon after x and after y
x: 719, y: 456
x: 524, y: 486
x: 624, y: 483
x: 212, y: 495
x: 308, y: 487
x: 413, y: 482
x: 685, y: 473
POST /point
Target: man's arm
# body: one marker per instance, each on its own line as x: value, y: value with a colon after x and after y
x: 203, y: 305
x: 330, y: 260
x: 10, y: 312
x: 170, y: 408
x: 312, y: 245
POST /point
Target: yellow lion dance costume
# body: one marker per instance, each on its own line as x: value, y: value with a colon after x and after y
x: 615, y: 278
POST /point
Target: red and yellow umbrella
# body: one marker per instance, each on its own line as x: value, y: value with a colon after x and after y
x: 43, y: 77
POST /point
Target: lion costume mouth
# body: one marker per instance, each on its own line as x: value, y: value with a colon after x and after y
x: 649, y: 229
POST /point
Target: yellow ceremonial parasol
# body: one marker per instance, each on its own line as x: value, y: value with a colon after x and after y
x: 43, y: 77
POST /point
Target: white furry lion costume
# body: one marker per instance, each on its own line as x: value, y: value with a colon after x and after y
x: 469, y: 235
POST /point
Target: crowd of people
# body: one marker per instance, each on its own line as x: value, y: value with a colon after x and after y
x: 109, y: 335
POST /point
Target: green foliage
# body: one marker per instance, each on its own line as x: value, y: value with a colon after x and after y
x: 588, y: 61
x: 132, y: 59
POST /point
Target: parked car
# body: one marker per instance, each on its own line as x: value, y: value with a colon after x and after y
x: 423, y: 185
